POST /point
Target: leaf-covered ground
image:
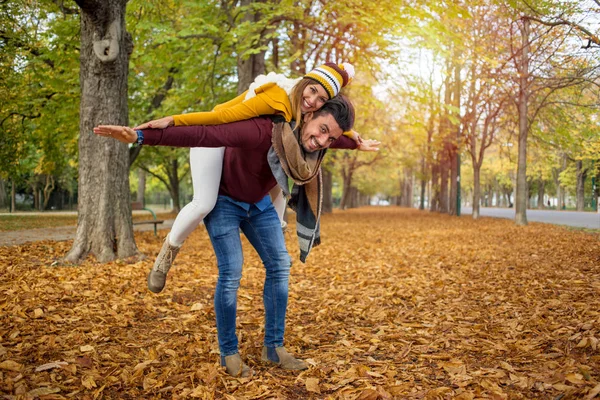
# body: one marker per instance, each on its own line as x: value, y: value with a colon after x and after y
x: 396, y: 304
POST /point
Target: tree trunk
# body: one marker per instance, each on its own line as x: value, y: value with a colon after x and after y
x: 141, y: 189
x: 36, y: 196
x: 327, y: 191
x: 407, y: 188
x: 104, y: 227
x: 346, y: 189
x: 3, y: 194
x: 476, y: 190
x: 48, y: 189
x: 580, y: 190
x: 250, y: 67
x: 522, y: 192
x: 541, y: 192
x: 455, y: 137
x: 435, y: 188
x: 13, y: 197
x: 174, y: 185
x: 444, y: 187
x: 423, y: 185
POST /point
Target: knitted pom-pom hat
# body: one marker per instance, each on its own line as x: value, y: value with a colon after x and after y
x: 333, y: 77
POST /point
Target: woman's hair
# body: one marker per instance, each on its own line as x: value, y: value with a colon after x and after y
x: 296, y: 97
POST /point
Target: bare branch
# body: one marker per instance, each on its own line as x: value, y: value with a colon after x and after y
x: 589, y: 35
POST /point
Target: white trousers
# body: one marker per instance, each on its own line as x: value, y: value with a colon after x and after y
x: 206, y: 166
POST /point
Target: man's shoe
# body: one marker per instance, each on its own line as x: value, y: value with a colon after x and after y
x: 281, y: 357
x: 158, y: 274
x: 235, y: 367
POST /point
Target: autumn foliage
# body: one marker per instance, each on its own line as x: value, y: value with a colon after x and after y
x: 395, y: 304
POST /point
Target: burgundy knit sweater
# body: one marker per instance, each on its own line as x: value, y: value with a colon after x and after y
x: 246, y: 174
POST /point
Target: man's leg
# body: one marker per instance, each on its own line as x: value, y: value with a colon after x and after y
x: 223, y: 225
x: 263, y: 230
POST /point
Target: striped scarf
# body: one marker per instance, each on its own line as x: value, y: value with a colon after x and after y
x: 287, y: 158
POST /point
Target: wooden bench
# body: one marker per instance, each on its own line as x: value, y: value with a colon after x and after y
x: 136, y: 205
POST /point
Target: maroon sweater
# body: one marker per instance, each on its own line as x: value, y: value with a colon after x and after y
x: 246, y: 174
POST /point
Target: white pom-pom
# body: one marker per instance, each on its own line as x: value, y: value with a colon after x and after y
x: 349, y: 68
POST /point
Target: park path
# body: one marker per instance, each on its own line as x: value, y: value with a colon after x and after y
x: 59, y: 233
x: 588, y: 220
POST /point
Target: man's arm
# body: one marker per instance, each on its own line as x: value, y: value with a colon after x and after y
x: 344, y: 142
x: 245, y: 134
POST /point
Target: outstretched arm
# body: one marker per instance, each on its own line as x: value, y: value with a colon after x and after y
x: 236, y: 109
x: 245, y: 134
x: 363, y: 144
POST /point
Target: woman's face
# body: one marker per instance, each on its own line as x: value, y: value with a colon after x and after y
x: 313, y: 98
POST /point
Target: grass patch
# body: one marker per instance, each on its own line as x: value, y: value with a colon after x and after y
x: 21, y: 222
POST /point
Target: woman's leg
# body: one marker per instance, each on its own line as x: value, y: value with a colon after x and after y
x: 280, y: 203
x: 206, y: 165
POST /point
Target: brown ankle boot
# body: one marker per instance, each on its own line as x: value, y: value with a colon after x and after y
x: 158, y: 274
x: 280, y: 356
x: 235, y: 367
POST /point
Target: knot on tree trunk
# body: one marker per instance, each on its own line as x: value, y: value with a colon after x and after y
x: 107, y: 48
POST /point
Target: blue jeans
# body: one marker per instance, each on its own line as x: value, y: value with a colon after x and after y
x: 260, y: 224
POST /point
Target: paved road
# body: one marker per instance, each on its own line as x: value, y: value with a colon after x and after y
x: 572, y: 218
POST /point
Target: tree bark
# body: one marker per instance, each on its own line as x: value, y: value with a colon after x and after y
x: 476, y: 190
x: 48, y: 189
x: 423, y: 184
x: 36, y: 195
x: 104, y: 227
x: 346, y: 189
x: 141, y: 189
x: 13, y: 197
x: 174, y: 185
x: 522, y: 192
x: 435, y: 188
x: 250, y: 67
x: 327, y: 191
x: 541, y: 192
x: 3, y: 194
x: 455, y: 140
x: 580, y: 189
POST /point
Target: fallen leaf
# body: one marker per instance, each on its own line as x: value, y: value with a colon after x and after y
x: 312, y: 385
x: 593, y: 393
x: 88, y: 381
x: 55, y: 364
x: 11, y: 365
x: 86, y: 348
x: 42, y: 391
x: 84, y: 361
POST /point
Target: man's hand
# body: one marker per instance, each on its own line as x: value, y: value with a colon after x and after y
x: 121, y: 133
x: 369, y: 145
x: 160, y: 123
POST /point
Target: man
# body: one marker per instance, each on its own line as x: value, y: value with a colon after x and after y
x: 256, y: 151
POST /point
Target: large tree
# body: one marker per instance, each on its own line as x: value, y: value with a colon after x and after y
x: 104, y: 228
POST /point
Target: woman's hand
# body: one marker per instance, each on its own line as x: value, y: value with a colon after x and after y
x: 121, y: 133
x: 160, y: 123
x: 368, y: 145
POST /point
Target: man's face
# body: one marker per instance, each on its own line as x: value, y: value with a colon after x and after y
x: 318, y: 133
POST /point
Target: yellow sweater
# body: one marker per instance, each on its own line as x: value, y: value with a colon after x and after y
x: 270, y: 99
